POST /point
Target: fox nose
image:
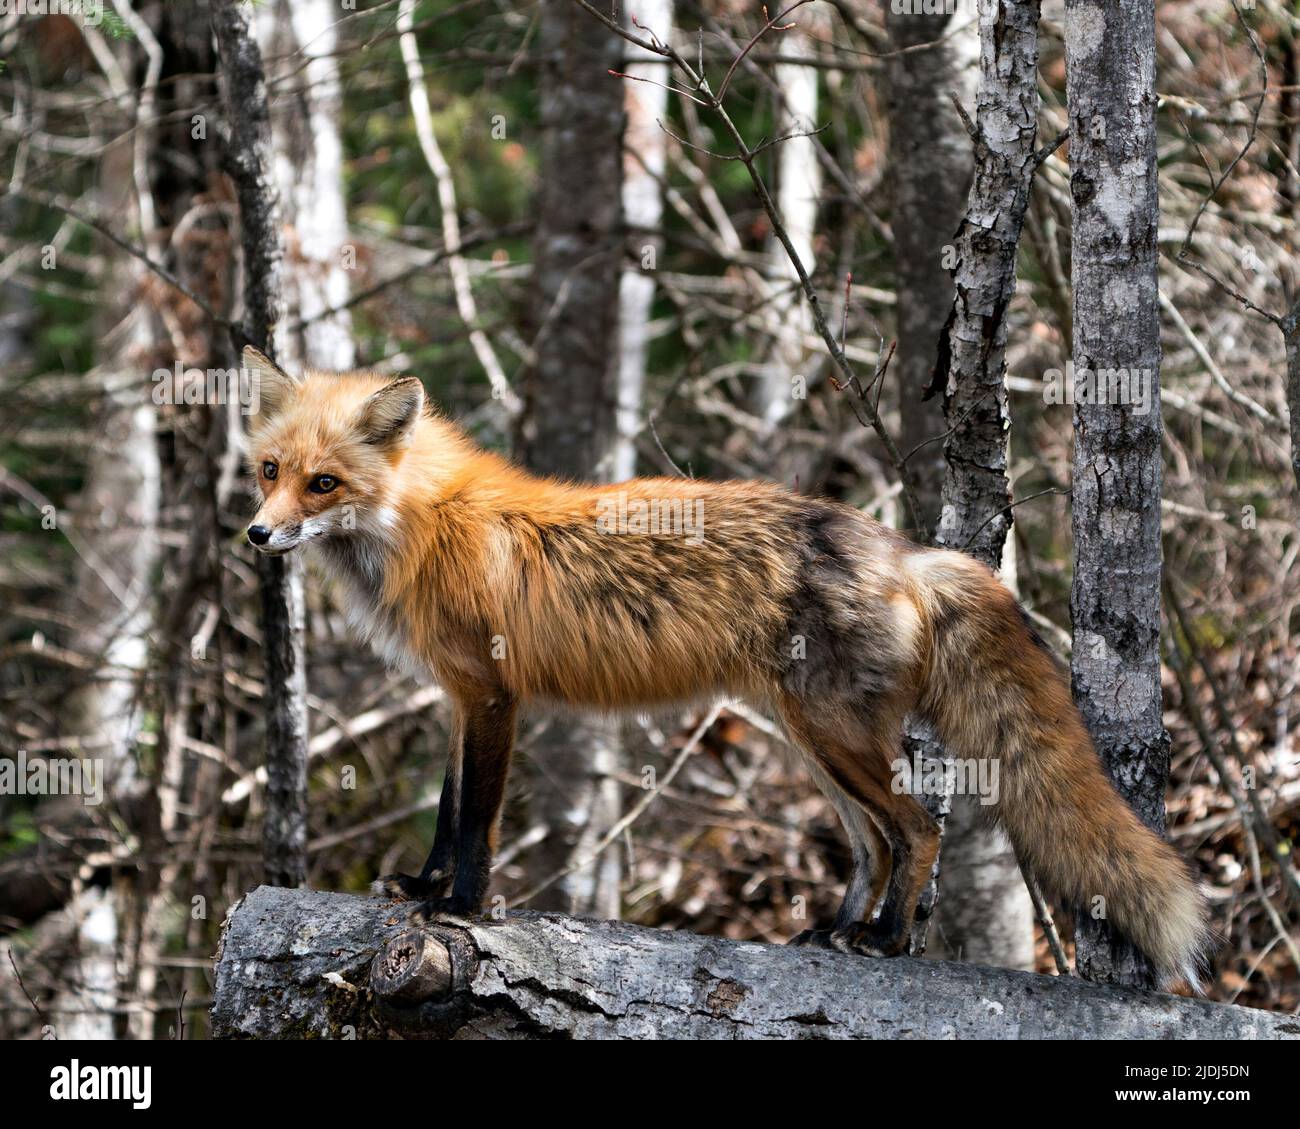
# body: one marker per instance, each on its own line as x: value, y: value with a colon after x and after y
x: 259, y: 534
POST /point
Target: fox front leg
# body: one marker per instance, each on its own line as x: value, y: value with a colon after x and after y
x: 487, y: 726
x: 439, y: 870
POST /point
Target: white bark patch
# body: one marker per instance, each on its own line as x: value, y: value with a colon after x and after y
x: 1123, y: 192
x: 1085, y: 29
x: 1000, y: 130
x: 1121, y: 296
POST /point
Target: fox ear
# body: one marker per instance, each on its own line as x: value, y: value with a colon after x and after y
x: 275, y: 387
x: 388, y: 417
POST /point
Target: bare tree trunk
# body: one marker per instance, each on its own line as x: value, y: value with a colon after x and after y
x: 569, y: 424
x: 570, y: 397
x: 798, y: 197
x: 250, y: 160
x: 86, y: 1008
x: 971, y: 364
x: 930, y: 170
x: 645, y: 154
x: 301, y: 39
x: 983, y: 912
x: 1115, y: 597
x: 117, y: 520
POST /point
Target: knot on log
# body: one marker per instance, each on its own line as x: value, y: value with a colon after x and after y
x: 412, y: 968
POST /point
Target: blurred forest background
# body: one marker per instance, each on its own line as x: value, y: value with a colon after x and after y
x: 452, y: 175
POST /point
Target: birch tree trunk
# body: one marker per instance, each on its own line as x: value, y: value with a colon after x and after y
x: 569, y: 425
x: 1115, y: 597
x: 983, y: 911
x: 971, y: 364
x: 301, y: 39
x: 798, y: 196
x: 116, y: 519
x: 644, y: 160
x: 250, y: 159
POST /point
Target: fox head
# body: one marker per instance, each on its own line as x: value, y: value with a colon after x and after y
x: 323, y: 449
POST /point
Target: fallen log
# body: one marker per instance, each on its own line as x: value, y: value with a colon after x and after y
x: 305, y: 964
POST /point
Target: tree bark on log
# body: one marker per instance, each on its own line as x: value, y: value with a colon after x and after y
x: 306, y: 964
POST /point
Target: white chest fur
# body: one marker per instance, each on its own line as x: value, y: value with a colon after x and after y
x: 356, y: 561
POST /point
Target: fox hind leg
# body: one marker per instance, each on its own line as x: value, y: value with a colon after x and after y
x: 853, y: 764
x: 914, y: 843
x: 871, y: 863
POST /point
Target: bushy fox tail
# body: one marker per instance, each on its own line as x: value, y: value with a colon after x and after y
x: 993, y: 689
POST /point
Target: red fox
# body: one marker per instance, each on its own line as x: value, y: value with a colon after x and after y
x: 511, y: 588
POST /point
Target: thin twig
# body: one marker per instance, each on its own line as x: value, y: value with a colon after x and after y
x: 771, y: 25
x: 460, y: 284
x: 1005, y: 509
x: 1045, y: 919
x: 19, y: 977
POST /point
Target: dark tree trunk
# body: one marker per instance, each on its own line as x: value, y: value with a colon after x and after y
x: 930, y: 170
x: 568, y: 426
x: 249, y: 163
x: 1115, y: 598
x: 971, y: 367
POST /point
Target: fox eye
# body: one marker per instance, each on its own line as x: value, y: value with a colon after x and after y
x: 323, y: 484
x: 270, y: 470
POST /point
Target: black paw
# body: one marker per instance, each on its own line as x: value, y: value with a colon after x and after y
x: 866, y: 940
x: 405, y: 888
x: 812, y: 939
x: 456, y: 910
